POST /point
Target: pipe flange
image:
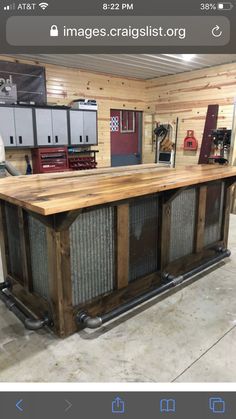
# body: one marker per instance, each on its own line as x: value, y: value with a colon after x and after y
x: 81, y: 317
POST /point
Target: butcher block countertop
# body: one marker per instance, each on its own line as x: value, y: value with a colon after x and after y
x: 49, y: 194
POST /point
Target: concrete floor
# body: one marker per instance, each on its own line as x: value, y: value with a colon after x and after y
x: 188, y: 337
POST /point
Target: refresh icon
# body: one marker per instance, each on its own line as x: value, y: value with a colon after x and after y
x: 216, y: 31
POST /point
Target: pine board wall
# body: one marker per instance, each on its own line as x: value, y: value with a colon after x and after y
x: 185, y: 96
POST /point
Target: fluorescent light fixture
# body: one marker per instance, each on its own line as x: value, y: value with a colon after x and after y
x: 188, y: 57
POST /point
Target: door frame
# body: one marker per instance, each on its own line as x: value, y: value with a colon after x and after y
x: 140, y: 131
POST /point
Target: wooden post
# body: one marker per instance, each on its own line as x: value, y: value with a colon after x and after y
x: 60, y: 286
x: 226, y: 213
x: 201, y: 214
x: 122, y: 246
x: 4, y: 241
x: 25, y: 250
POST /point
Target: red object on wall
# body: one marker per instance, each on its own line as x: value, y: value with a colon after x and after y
x: 50, y: 160
x: 190, y: 142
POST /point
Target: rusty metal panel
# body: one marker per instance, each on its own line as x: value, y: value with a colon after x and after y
x: 92, y: 247
x: 143, y: 237
x: 214, y: 212
x: 13, y: 234
x: 39, y: 257
x: 183, y: 220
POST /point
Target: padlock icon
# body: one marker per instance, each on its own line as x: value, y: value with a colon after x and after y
x: 54, y: 30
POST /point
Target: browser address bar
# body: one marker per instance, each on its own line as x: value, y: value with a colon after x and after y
x: 118, y: 31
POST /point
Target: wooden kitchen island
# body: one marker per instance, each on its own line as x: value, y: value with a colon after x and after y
x: 80, y: 248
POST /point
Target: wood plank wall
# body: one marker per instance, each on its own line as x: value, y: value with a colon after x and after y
x: 66, y: 84
x: 185, y: 96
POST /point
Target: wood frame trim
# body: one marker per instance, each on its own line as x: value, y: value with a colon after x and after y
x: 102, y: 305
x: 25, y: 249
x: 59, y: 222
x: 170, y: 195
x: 4, y: 241
x: 63, y: 221
x: 39, y: 306
x: 122, y: 246
x: 60, y: 286
x: 226, y: 211
x: 201, y: 215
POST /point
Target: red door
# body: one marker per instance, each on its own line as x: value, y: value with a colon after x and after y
x: 126, y: 131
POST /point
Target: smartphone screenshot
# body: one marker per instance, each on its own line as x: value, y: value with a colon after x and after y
x: 118, y: 209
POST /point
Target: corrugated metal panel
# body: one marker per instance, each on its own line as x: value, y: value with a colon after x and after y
x: 143, y: 237
x: 92, y: 254
x: 183, y: 216
x: 214, y: 213
x: 39, y: 257
x: 141, y: 66
x: 13, y: 234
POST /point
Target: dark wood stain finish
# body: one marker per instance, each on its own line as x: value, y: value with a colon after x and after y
x: 57, y: 210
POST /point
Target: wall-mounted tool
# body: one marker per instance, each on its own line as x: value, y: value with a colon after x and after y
x: 164, y: 144
x: 190, y: 142
x: 8, y: 91
x: 28, y: 165
x: 220, y: 148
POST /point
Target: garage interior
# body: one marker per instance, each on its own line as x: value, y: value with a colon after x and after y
x: 149, y: 122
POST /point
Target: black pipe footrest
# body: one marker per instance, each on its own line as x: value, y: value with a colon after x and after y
x: 14, y: 306
x: 171, y: 281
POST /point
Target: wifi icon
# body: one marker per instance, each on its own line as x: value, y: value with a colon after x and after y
x: 43, y: 5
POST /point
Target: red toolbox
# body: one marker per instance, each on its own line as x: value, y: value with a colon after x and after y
x: 50, y: 160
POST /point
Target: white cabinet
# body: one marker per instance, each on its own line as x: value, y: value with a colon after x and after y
x: 76, y: 127
x: 51, y: 126
x: 24, y: 127
x: 16, y: 126
x: 83, y: 127
x: 60, y: 126
x: 28, y: 127
x: 90, y: 127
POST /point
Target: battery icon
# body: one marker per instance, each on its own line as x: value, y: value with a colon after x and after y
x: 225, y: 6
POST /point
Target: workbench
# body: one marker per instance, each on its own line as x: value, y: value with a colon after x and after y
x: 77, y: 246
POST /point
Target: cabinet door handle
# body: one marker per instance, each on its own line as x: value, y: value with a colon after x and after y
x: 80, y: 138
x: 87, y: 138
x: 56, y: 138
x: 20, y: 139
x: 11, y: 139
x: 49, y: 139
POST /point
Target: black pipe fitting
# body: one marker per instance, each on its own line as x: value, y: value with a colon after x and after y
x: 87, y: 321
x: 36, y: 324
x: 170, y: 281
x: 13, y: 305
x: 5, y: 285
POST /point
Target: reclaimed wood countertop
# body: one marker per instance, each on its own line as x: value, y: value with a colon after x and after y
x: 49, y: 194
